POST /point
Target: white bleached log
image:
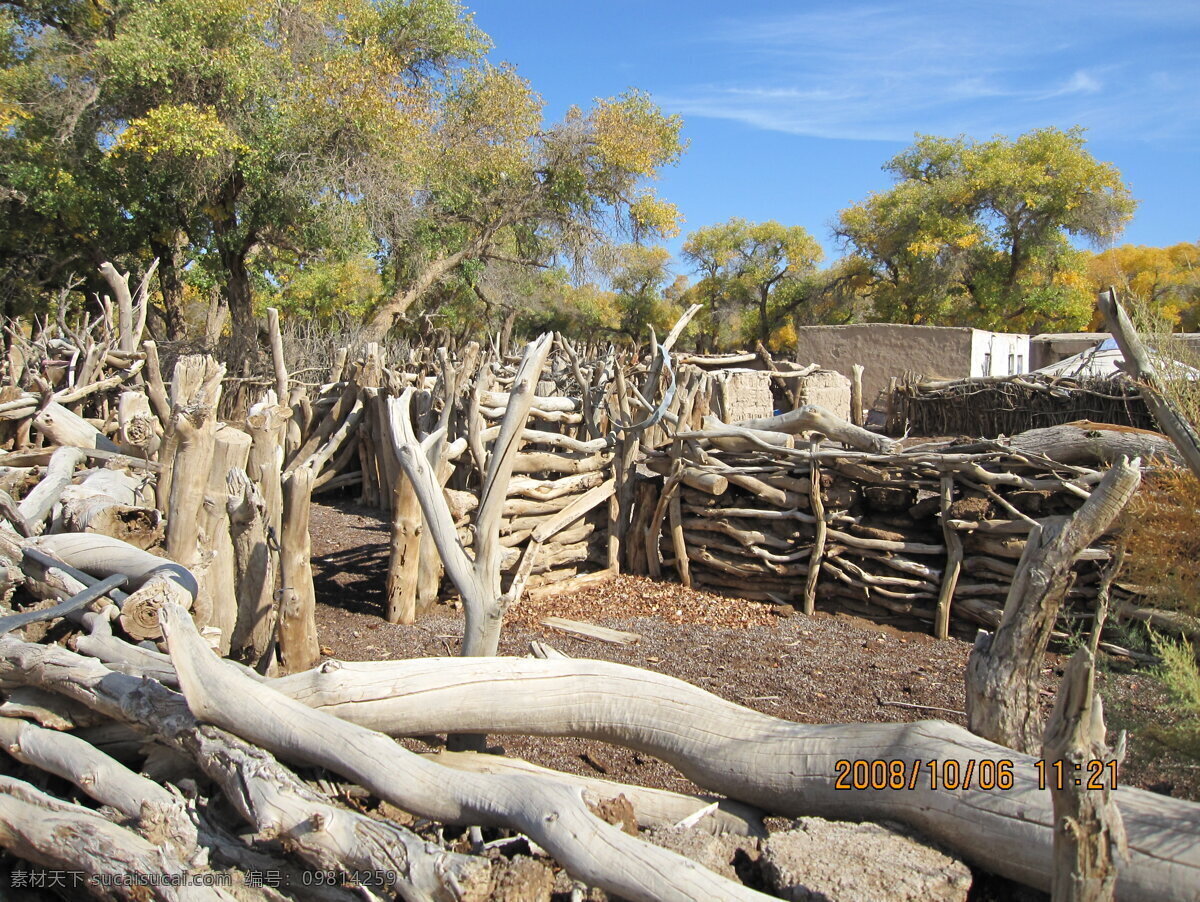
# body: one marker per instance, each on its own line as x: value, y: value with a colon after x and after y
x: 783, y: 767
x: 64, y: 427
x: 41, y: 499
x: 555, y: 817
x: 814, y: 418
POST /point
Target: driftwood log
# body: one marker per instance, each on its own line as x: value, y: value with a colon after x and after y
x: 553, y: 816
x: 279, y: 805
x: 782, y: 767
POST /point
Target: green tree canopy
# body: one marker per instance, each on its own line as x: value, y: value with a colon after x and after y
x: 639, y: 275
x: 209, y: 131
x: 978, y: 233
x: 501, y: 186
x: 752, y: 264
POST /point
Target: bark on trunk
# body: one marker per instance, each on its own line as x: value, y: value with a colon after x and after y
x: 171, y: 288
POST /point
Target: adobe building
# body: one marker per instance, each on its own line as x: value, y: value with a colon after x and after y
x: 1051, y: 347
x: 888, y: 350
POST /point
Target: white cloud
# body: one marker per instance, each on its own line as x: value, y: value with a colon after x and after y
x: 885, y: 70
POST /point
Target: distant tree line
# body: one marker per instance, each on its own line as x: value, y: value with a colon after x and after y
x: 361, y: 160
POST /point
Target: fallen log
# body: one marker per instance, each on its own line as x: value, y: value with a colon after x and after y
x: 813, y: 418
x: 156, y: 579
x: 555, y: 817
x: 104, y: 779
x: 280, y: 805
x: 113, y: 503
x: 651, y: 807
x: 785, y: 768
x: 64, y: 427
x: 41, y: 499
x: 1091, y: 444
x: 73, y: 839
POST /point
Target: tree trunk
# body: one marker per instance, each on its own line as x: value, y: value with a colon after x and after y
x: 233, y: 247
x: 170, y: 286
x: 1004, y: 670
x: 382, y: 320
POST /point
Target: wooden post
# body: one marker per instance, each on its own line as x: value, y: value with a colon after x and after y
x: 624, y: 462
x: 675, y: 515
x: 281, y: 373
x: 1081, y: 771
x: 255, y: 565
x: 267, y: 423
x: 856, y: 395
x: 954, y: 559
x: 219, y: 579
x: 155, y: 388
x: 119, y: 283
x: 821, y: 530
x: 370, y: 376
x: 403, y: 564
x: 298, y: 646
x: 195, y: 393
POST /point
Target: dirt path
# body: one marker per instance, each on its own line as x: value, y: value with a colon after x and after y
x: 830, y: 668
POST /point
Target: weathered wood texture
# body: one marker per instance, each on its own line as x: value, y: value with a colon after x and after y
x: 1004, y: 670
x: 783, y: 767
x: 590, y: 849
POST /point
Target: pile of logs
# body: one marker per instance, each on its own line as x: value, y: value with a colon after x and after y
x: 932, y: 531
x: 1006, y: 405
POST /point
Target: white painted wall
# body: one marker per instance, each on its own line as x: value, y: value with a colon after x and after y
x: 998, y: 353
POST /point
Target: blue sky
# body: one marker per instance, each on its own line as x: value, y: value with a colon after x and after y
x: 791, y: 108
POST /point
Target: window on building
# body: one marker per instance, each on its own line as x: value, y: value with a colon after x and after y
x: 1020, y: 363
x: 1012, y: 362
x: 987, y: 364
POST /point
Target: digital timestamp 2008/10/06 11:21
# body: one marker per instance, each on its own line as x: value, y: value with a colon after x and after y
x: 985, y: 774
